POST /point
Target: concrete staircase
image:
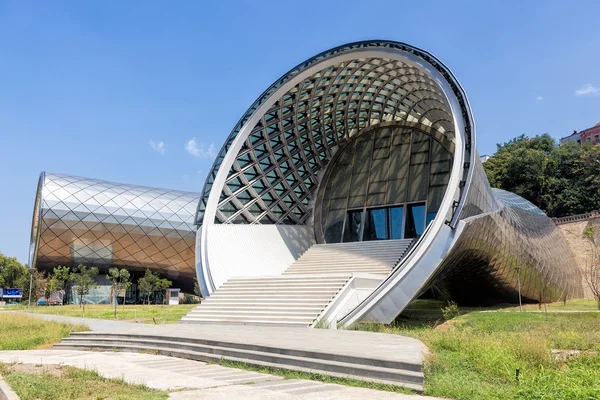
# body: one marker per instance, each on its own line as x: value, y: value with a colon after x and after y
x: 367, y: 368
x: 303, y: 291
x: 278, y: 300
x: 374, y: 257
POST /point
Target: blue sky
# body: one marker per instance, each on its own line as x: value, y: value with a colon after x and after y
x: 145, y: 92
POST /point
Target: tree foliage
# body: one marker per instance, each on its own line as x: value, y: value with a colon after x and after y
x: 151, y: 283
x: 83, y: 281
x: 561, y: 180
x: 13, y: 274
x: 119, y: 282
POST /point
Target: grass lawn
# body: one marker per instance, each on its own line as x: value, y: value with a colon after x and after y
x: 20, y: 332
x: 142, y: 313
x: 476, y: 355
x: 32, y: 382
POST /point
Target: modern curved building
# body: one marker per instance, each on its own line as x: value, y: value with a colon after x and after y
x: 93, y: 222
x: 350, y: 187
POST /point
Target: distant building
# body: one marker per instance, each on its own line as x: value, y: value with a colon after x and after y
x: 574, y: 137
x: 591, y: 135
x: 484, y: 158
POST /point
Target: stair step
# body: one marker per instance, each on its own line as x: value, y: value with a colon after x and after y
x: 268, y: 289
x: 283, y: 312
x: 259, y: 307
x: 216, y: 353
x: 251, y: 302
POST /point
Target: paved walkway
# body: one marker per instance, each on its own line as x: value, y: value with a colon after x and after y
x: 341, y: 342
x: 187, y: 379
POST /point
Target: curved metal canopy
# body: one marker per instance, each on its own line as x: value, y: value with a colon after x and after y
x: 267, y: 170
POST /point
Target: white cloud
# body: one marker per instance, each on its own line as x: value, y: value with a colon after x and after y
x: 198, y: 150
x: 588, y: 90
x: 539, y: 98
x: 159, y: 146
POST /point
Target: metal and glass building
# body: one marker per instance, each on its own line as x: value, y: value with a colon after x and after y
x: 372, y: 143
x: 93, y: 222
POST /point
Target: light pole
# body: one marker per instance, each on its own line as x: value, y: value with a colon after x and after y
x: 30, y: 286
x: 519, y: 286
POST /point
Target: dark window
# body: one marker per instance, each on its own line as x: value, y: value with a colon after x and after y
x: 597, y: 139
x: 415, y: 220
x: 396, y: 217
x: 376, y: 226
x: 353, y: 226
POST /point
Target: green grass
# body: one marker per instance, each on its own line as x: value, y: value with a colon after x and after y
x: 21, y: 332
x: 291, y: 374
x: 147, y: 314
x: 74, y: 383
x: 476, y: 355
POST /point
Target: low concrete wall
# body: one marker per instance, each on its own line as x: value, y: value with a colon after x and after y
x: 254, y: 250
x: 6, y: 393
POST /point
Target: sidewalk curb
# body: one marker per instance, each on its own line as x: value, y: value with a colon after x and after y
x: 6, y: 393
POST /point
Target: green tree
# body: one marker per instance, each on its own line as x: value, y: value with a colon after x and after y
x: 146, y: 284
x: 161, y: 286
x: 83, y: 281
x: 197, y: 290
x: 13, y: 274
x: 119, y: 279
x: 50, y: 288
x: 561, y: 180
x: 151, y: 283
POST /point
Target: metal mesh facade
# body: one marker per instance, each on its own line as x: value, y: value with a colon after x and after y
x: 87, y: 221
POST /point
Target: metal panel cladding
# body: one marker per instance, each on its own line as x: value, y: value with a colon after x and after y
x: 88, y: 221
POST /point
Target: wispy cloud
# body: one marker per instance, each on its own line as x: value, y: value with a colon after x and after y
x: 159, y: 146
x: 539, y: 98
x: 588, y: 90
x: 198, y: 150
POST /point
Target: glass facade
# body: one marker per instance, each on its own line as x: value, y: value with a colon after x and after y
x: 93, y: 222
x: 394, y: 166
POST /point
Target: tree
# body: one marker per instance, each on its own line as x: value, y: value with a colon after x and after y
x: 38, y: 281
x: 151, y: 283
x: 83, y: 281
x: 161, y: 286
x: 561, y: 180
x: 57, y: 281
x: 119, y: 279
x: 197, y: 290
x: 50, y: 288
x: 146, y: 284
x: 13, y: 274
x: 592, y: 271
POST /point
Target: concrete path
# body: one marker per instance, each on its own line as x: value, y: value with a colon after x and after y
x: 349, y: 343
x: 188, y: 379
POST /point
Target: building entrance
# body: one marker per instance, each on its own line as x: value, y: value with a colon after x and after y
x: 386, y: 183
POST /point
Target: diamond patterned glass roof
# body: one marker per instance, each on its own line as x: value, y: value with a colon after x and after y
x: 89, y: 221
x: 274, y: 175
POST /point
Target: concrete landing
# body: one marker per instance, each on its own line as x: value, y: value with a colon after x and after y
x: 196, y: 380
x: 394, y: 348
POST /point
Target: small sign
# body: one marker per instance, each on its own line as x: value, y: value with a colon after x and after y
x: 12, y: 293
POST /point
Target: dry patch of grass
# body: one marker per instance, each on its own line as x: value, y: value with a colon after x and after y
x: 22, y: 332
x: 57, y: 382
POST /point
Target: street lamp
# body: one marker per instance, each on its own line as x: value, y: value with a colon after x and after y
x: 518, y: 268
x: 30, y: 286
